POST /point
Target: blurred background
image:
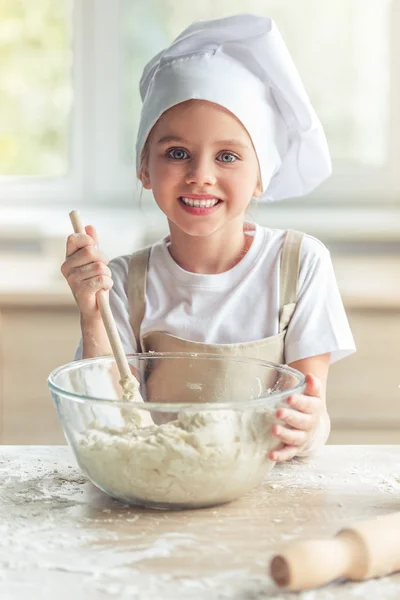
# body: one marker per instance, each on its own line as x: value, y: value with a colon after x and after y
x: 69, y: 106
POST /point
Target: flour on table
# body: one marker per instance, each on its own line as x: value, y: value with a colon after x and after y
x: 198, y: 459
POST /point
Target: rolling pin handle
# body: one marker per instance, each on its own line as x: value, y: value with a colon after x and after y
x: 315, y: 562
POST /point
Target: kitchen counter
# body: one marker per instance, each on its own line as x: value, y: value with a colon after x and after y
x: 60, y: 537
x: 33, y: 281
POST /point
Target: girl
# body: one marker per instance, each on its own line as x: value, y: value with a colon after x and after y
x: 225, y: 119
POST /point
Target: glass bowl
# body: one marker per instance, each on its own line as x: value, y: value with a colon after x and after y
x: 200, y: 437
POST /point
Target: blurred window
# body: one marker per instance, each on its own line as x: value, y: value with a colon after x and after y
x: 345, y: 71
x: 69, y: 100
x: 35, y: 87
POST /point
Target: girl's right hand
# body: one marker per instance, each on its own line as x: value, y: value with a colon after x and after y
x: 86, y: 271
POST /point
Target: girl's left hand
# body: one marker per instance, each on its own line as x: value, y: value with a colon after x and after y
x: 303, y: 421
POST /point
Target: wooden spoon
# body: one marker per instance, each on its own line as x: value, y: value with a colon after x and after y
x: 129, y: 384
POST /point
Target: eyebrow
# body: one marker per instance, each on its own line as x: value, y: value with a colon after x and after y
x: 229, y: 142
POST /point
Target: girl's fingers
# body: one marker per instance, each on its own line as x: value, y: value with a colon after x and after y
x: 85, y: 272
x: 286, y: 453
x: 83, y: 256
x: 292, y: 437
x: 75, y: 241
x: 305, y: 404
x: 87, y: 280
x: 90, y: 230
x: 85, y: 269
x: 91, y: 286
x: 95, y: 270
x: 313, y: 386
x: 300, y: 420
x: 296, y: 419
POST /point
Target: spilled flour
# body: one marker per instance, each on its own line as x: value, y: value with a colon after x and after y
x: 199, y: 459
x: 61, y: 538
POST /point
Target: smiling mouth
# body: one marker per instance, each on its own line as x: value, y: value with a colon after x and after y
x: 209, y: 203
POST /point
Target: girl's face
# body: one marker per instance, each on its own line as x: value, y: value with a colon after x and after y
x: 201, y: 167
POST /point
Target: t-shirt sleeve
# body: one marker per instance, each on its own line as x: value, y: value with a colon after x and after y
x: 319, y: 323
x: 119, y: 305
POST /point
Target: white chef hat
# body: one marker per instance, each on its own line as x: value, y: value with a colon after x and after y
x: 242, y: 63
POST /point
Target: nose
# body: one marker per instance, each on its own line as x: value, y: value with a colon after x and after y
x: 200, y: 172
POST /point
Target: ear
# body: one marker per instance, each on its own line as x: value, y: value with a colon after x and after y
x: 258, y: 189
x: 145, y: 178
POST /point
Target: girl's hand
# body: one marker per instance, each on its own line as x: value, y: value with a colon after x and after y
x: 303, y: 415
x: 86, y: 271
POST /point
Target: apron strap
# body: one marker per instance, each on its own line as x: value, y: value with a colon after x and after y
x: 289, y: 274
x: 137, y: 276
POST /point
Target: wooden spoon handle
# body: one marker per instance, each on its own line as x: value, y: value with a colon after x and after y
x: 108, y: 319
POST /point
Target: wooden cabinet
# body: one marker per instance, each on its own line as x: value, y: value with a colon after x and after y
x: 35, y: 338
x: 39, y: 332
x: 363, y: 389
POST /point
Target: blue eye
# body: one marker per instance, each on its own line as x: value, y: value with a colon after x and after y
x: 177, y: 154
x: 227, y: 157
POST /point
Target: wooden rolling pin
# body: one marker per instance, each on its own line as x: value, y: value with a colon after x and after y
x: 129, y: 384
x: 364, y: 550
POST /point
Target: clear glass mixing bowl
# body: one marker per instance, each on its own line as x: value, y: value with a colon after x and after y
x: 201, y: 436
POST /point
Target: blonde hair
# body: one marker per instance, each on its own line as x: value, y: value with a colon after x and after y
x: 144, y: 155
x: 144, y: 158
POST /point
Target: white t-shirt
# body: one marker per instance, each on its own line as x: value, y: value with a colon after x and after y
x: 239, y: 305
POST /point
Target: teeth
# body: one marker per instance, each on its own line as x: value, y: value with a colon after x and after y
x: 200, y: 203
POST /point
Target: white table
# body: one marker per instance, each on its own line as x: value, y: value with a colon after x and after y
x: 60, y: 537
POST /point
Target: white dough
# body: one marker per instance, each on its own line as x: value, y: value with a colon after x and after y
x: 199, y: 459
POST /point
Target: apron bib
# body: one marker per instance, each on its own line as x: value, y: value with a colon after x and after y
x: 213, y: 378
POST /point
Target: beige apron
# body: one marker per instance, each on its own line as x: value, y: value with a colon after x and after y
x: 214, y: 378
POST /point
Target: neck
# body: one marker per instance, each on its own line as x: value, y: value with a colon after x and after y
x: 210, y: 254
